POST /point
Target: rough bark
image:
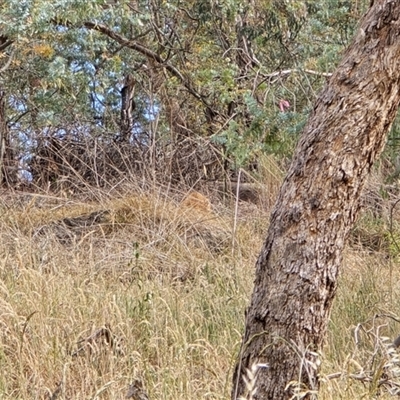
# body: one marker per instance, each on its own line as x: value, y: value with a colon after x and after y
x: 296, y: 273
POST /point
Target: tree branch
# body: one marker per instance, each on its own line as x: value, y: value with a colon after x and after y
x: 8, y: 63
x: 285, y: 72
x: 5, y: 42
x: 148, y: 53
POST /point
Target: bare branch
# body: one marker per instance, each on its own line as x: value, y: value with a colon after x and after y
x: 286, y: 72
x: 148, y: 53
x: 5, y: 42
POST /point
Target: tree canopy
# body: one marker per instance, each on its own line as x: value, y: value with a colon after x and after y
x: 212, y: 83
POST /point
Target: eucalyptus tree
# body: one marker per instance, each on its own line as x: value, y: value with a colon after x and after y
x: 60, y: 79
x: 296, y: 275
x: 168, y: 74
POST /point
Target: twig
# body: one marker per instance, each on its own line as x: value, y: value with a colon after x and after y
x: 8, y: 63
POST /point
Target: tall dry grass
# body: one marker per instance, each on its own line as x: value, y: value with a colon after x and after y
x: 141, y: 295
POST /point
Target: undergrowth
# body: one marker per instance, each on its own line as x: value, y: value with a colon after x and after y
x: 143, y: 294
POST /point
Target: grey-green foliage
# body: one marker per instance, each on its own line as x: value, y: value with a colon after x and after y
x: 214, y: 63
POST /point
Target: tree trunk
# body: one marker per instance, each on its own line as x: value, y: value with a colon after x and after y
x: 127, y: 108
x: 296, y: 273
x: 8, y: 162
x: 3, y: 136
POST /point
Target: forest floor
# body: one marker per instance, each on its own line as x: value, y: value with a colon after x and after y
x: 145, y: 292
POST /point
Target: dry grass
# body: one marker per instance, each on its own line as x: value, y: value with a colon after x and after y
x: 151, y: 292
x: 146, y: 294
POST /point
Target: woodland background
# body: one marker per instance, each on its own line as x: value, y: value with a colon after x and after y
x: 184, y: 93
x: 142, y: 144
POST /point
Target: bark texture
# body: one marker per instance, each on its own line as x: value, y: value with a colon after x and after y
x: 296, y: 273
